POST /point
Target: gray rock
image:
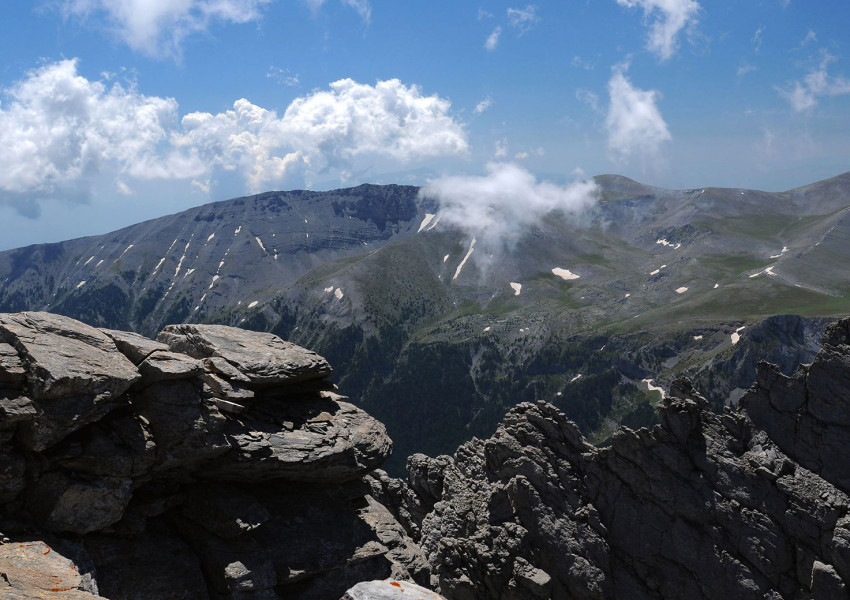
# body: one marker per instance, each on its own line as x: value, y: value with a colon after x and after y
x: 14, y: 407
x: 12, y: 371
x: 262, y: 357
x: 76, y: 374
x: 323, y: 439
x: 134, y: 346
x: 60, y: 502
x: 48, y: 569
x: 390, y: 589
x: 167, y: 366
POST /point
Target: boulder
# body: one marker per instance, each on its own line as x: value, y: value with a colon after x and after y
x: 75, y: 373
x: 322, y: 439
x: 390, y: 589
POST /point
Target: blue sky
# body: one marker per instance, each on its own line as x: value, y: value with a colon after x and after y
x: 115, y: 111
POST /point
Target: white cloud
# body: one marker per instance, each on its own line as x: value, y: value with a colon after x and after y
x: 672, y: 17
x: 483, y: 105
x: 60, y: 132
x: 803, y: 95
x: 493, y: 39
x: 523, y: 18
x: 158, y: 27
x: 521, y: 155
x: 635, y: 126
x: 502, y: 206
x: 501, y: 150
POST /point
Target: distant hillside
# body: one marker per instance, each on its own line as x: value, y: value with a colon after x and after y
x: 593, y: 317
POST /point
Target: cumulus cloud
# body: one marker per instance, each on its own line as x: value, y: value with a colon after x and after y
x: 803, y: 94
x: 59, y: 132
x: 635, y: 126
x: 499, y: 208
x: 523, y: 18
x: 669, y: 17
x: 484, y: 105
x: 158, y: 27
x: 493, y: 39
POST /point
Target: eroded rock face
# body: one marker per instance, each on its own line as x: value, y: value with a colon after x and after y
x: 751, y: 503
x: 217, y: 465
x: 263, y: 357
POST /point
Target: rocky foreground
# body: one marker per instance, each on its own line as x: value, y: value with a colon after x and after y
x: 219, y: 463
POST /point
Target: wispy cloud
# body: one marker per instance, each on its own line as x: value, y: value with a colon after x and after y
x: 484, y: 14
x: 60, y: 133
x: 501, y: 149
x: 668, y: 18
x: 589, y: 98
x: 804, y: 94
x: 745, y: 68
x: 493, y: 39
x: 283, y: 76
x: 159, y: 27
x: 635, y: 126
x: 482, y: 106
x: 758, y: 38
x: 523, y: 18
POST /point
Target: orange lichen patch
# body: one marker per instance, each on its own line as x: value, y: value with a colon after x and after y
x: 57, y: 589
x: 47, y: 551
x: 395, y: 583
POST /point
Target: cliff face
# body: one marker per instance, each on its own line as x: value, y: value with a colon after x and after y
x: 213, y: 463
x: 751, y: 503
x: 217, y: 463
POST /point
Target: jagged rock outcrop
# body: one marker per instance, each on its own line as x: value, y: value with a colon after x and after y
x: 213, y: 463
x: 751, y: 503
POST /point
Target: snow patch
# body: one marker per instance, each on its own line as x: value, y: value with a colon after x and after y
x: 576, y: 378
x: 260, y: 243
x: 189, y: 272
x: 100, y: 262
x: 434, y: 223
x: 428, y: 218
x: 654, y: 388
x: 238, y: 229
x: 487, y: 328
x: 783, y: 251
x: 253, y: 304
x: 627, y: 295
x: 517, y: 288
x: 767, y: 271
x: 445, y: 258
x: 565, y: 274
x: 737, y: 334
x: 681, y: 290
x: 465, y: 258
x: 328, y: 290
x: 716, y: 285
x: 92, y: 258
x: 697, y: 338
x: 209, y: 239
x: 338, y: 293
x: 664, y: 242
x: 81, y: 284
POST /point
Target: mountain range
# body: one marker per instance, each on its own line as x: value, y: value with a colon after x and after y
x: 597, y: 315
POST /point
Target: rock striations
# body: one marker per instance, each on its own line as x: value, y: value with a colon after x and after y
x: 751, y: 503
x: 211, y: 463
x: 216, y: 463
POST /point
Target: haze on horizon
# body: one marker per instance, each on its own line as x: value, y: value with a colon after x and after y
x: 113, y: 112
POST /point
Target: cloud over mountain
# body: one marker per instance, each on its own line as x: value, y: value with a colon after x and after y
x: 499, y: 208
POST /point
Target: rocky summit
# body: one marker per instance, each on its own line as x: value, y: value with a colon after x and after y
x: 217, y: 463
x: 211, y: 463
